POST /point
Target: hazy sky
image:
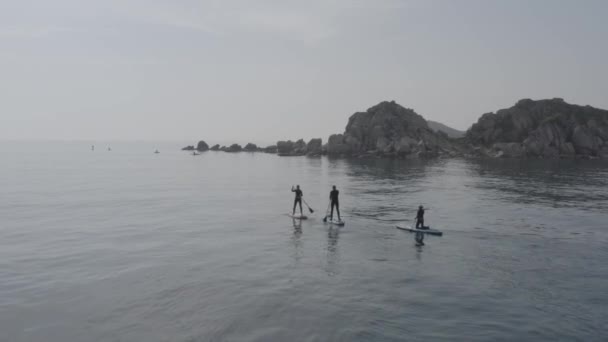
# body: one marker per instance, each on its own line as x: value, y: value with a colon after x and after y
x: 259, y: 71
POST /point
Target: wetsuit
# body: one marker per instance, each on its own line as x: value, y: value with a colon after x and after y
x: 420, y: 218
x: 333, y: 197
x: 297, y: 200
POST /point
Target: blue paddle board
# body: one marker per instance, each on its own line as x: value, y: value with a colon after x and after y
x: 425, y: 231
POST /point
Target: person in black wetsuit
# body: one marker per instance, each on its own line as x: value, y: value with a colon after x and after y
x: 333, y: 197
x: 298, y: 199
x: 420, y: 218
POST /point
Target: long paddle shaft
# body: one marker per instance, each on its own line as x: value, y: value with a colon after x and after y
x: 326, y: 212
x: 311, y: 211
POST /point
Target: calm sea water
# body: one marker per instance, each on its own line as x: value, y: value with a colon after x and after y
x: 127, y: 245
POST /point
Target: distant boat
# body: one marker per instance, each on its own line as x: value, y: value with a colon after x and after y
x: 195, y: 154
x: 109, y: 149
x: 156, y: 151
x: 92, y: 147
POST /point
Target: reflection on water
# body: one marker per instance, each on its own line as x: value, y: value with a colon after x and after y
x: 296, y: 240
x: 333, y: 254
x: 558, y: 183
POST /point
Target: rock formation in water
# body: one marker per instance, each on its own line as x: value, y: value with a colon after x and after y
x: 544, y: 128
x: 250, y: 147
x: 314, y: 147
x: 234, y: 148
x: 270, y: 149
x: 215, y: 147
x: 389, y: 129
x: 202, y: 146
x: 188, y: 148
x: 284, y: 148
x: 300, y: 147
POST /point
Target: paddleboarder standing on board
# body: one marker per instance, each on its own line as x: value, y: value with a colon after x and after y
x: 298, y: 199
x: 420, y: 218
x: 333, y: 197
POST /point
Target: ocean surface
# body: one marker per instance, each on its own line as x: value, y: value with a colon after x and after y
x: 128, y: 245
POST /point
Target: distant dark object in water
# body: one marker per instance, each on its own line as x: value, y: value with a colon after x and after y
x: 202, y: 146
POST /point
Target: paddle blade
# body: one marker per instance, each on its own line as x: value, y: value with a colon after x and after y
x: 325, y: 219
x: 311, y: 211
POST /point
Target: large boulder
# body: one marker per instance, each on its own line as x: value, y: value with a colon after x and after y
x: 299, y: 148
x: 250, y: 147
x: 545, y: 128
x: 508, y: 150
x: 584, y: 141
x: 336, y: 145
x: 188, y: 148
x: 290, y: 148
x: 234, y: 148
x: 202, y: 146
x: 314, y: 147
x: 285, y: 147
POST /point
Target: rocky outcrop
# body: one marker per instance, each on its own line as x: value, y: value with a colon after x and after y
x: 215, y: 147
x: 314, y: 147
x: 299, y: 148
x: 188, y: 148
x: 250, y: 147
x: 544, y: 128
x: 285, y: 147
x: 290, y: 148
x: 389, y: 129
x: 234, y: 148
x: 270, y: 149
x: 202, y: 146
x: 336, y: 145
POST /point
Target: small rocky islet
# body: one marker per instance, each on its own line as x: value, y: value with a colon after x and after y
x: 530, y: 129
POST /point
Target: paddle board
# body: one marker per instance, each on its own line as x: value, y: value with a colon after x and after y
x: 297, y: 216
x: 425, y: 231
x: 336, y: 222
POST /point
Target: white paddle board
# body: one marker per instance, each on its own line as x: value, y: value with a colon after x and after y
x: 298, y: 216
x: 336, y: 222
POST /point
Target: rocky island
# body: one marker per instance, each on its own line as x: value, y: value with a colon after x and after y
x: 535, y: 129
x: 388, y: 129
x: 544, y: 128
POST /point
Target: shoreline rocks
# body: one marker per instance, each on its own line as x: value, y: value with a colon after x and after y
x: 530, y: 129
x: 300, y: 148
x: 234, y: 148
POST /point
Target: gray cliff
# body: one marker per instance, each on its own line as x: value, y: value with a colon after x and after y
x: 544, y: 128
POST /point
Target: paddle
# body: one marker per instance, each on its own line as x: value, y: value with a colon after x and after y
x: 326, y: 213
x: 309, y: 208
